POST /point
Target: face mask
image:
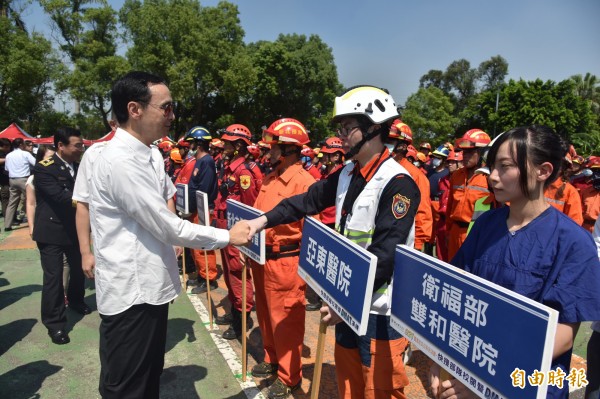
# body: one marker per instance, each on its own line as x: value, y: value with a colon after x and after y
x: 436, y: 162
x: 390, y: 147
x: 587, y: 172
x: 417, y: 164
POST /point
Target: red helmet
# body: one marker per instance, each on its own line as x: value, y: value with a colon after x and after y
x: 426, y: 146
x: 474, y: 138
x: 411, y: 152
x: 165, y: 146
x: 400, y: 131
x: 237, y: 132
x: 253, y: 150
x: 594, y: 162
x: 286, y: 131
x: 182, y: 143
x: 332, y: 145
x: 308, y: 152
x: 217, y: 143
x: 455, y: 156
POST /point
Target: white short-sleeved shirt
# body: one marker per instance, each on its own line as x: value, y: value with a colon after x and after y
x: 134, y: 231
x: 18, y: 163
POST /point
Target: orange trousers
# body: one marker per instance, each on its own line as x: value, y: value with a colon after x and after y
x: 456, y: 236
x: 374, y: 368
x: 200, y: 260
x: 280, y: 310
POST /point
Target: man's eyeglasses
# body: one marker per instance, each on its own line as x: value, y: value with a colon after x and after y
x: 345, y: 131
x: 28, y: 144
x: 166, y: 108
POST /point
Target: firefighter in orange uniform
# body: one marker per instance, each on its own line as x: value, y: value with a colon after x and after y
x: 279, y: 290
x: 466, y: 187
x: 444, y: 192
x: 241, y: 181
x: 399, y: 139
x: 563, y: 195
x: 590, y: 196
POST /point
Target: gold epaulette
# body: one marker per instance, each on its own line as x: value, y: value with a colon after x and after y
x: 47, y: 162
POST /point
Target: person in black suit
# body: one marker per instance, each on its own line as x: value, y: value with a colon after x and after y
x: 55, y: 233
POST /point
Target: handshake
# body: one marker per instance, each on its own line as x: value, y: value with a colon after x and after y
x: 242, y: 232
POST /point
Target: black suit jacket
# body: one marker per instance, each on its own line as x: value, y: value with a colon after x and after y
x: 55, y: 209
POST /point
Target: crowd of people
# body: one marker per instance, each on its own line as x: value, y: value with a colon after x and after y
x: 524, y: 203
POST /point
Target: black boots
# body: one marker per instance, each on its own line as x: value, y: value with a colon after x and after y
x: 235, y: 328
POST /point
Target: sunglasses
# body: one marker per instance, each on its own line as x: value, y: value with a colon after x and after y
x: 166, y: 108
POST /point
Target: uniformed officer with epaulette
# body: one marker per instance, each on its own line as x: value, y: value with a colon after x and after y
x: 55, y: 233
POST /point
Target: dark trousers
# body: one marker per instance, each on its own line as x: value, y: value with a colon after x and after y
x: 53, y: 291
x: 132, y: 352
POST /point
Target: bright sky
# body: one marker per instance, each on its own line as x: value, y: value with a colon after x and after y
x: 391, y: 43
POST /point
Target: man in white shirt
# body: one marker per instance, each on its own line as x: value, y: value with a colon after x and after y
x: 134, y: 233
x: 18, y: 164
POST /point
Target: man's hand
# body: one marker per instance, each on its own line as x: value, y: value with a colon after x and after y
x: 257, y: 225
x: 449, y: 389
x: 88, y: 263
x: 239, y: 233
x: 178, y: 251
x: 329, y: 317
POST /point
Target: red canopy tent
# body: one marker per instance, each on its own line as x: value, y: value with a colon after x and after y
x: 50, y: 141
x: 13, y: 131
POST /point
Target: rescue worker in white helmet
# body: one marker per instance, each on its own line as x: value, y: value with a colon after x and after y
x: 364, y: 115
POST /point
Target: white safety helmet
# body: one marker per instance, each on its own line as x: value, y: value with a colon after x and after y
x: 372, y: 102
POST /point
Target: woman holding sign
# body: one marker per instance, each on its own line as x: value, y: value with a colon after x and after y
x: 530, y: 247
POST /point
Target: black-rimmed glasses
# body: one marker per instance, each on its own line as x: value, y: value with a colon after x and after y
x: 345, y: 131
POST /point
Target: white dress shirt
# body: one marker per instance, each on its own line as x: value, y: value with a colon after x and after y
x: 18, y: 163
x: 134, y: 231
x: 81, y: 191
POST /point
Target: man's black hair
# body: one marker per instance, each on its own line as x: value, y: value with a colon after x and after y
x: 132, y: 87
x: 64, y: 134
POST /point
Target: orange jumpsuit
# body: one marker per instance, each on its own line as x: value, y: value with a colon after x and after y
x: 279, y: 290
x: 241, y: 182
x: 424, y: 217
x: 568, y: 203
x: 590, y: 200
x: 463, y: 194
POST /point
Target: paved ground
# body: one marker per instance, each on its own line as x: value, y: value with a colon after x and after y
x: 198, y: 363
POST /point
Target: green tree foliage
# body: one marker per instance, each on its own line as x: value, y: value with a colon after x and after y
x: 491, y: 73
x: 534, y: 102
x: 429, y: 113
x: 89, y: 39
x: 588, y: 88
x: 199, y: 51
x: 27, y: 67
x: 297, y: 78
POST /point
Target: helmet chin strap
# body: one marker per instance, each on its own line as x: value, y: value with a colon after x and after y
x: 284, y: 153
x: 354, y: 150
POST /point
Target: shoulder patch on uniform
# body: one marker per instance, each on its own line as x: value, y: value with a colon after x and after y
x: 400, y: 206
x: 245, y: 181
x: 47, y: 162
